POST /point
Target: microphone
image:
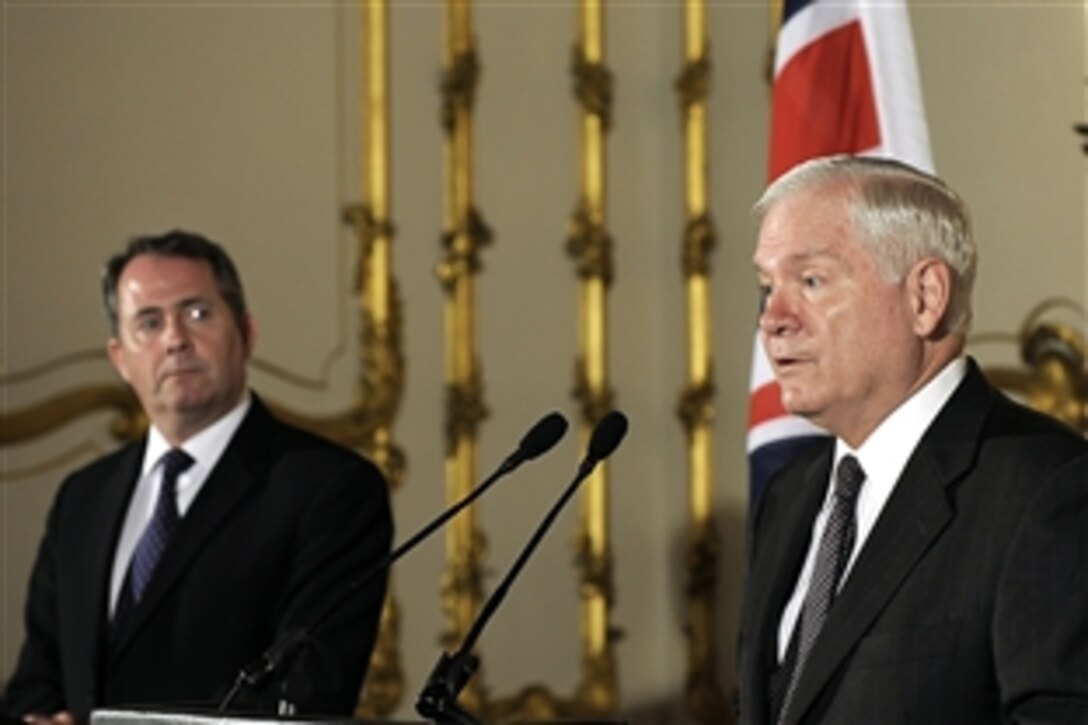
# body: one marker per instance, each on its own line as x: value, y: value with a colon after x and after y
x: 438, y: 699
x: 539, y: 439
x: 606, y: 438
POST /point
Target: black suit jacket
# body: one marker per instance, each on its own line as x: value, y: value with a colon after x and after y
x: 283, y: 523
x: 968, y: 603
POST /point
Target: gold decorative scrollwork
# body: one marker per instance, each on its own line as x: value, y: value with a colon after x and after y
x: 693, y: 85
x: 696, y: 407
x: 592, y: 86
x: 700, y: 240
x: 590, y: 245
x: 52, y: 413
x: 462, y: 248
x: 459, y: 83
x: 466, y: 409
x: 1055, y: 377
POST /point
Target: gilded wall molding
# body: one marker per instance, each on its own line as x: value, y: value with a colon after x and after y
x: 703, y: 692
x: 463, y: 236
x: 1053, y: 377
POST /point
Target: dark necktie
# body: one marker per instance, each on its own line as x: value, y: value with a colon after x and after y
x: 155, y: 537
x: 836, y: 544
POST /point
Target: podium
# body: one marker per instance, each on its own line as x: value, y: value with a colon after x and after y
x: 159, y: 717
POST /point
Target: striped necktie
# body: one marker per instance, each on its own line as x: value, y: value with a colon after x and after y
x: 155, y: 537
x: 836, y: 545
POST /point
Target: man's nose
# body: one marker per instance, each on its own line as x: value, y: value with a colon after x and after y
x: 176, y: 334
x: 778, y: 314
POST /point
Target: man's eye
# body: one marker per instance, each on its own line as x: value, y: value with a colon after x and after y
x: 148, y: 324
x: 811, y: 281
x: 764, y: 295
x: 198, y: 313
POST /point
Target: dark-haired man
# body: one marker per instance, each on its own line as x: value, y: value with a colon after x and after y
x: 171, y: 564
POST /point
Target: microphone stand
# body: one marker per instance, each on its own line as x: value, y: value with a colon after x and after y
x: 541, y: 437
x: 438, y: 699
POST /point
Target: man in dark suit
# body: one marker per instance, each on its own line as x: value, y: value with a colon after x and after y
x: 154, y: 588
x: 941, y: 576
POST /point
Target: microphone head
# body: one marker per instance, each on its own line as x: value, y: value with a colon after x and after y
x: 542, y: 436
x: 606, y: 436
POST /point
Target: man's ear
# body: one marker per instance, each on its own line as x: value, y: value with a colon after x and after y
x: 248, y: 327
x: 929, y: 287
x: 116, y: 353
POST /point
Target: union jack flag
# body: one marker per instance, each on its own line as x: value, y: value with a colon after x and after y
x: 845, y: 81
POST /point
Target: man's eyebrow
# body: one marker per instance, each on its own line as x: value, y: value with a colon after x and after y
x: 801, y: 257
x: 148, y: 310
x: 179, y: 305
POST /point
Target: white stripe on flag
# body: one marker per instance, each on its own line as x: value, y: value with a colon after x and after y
x: 885, y: 29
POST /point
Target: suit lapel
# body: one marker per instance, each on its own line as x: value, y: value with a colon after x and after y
x: 234, y: 475
x: 913, y: 518
x: 94, y: 548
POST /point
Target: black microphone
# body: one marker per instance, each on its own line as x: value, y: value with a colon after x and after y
x: 539, y: 439
x: 438, y: 699
x: 605, y: 439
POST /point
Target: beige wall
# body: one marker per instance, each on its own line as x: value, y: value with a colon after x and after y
x: 238, y: 120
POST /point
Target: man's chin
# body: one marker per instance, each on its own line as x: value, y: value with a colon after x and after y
x: 189, y: 405
x: 796, y: 404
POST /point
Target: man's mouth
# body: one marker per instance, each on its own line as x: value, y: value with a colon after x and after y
x: 181, y: 372
x: 788, y: 362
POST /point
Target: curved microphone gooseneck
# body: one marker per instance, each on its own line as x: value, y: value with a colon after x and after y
x: 438, y: 700
x: 540, y: 438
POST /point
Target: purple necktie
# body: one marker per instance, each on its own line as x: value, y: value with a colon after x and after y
x: 155, y: 537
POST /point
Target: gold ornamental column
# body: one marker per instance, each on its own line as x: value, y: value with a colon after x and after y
x: 381, y: 379
x: 464, y: 234
x: 703, y: 695
x: 591, y: 246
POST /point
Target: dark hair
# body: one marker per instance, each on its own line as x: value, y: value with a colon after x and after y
x: 176, y: 243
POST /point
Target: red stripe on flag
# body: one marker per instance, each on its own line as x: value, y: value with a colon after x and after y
x: 765, y: 404
x: 823, y: 101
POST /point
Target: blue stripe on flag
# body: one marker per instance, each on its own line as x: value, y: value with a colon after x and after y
x: 792, y: 7
x: 770, y: 458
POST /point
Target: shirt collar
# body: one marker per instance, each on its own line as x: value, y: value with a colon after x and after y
x: 885, y: 453
x: 205, y: 447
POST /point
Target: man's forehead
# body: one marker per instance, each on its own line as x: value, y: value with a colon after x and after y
x: 765, y: 259
x: 149, y: 286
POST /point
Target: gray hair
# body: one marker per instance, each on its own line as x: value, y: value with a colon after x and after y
x: 900, y: 214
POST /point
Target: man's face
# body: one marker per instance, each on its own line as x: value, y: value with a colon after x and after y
x: 839, y: 337
x: 178, y: 343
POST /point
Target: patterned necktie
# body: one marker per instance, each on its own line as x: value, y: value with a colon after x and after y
x: 155, y: 537
x: 836, y: 545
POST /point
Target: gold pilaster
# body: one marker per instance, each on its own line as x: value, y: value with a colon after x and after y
x: 591, y: 246
x: 703, y: 694
x: 380, y: 383
x: 464, y: 234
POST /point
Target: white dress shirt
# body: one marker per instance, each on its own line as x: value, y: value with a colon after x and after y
x: 883, y: 456
x: 206, y: 447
